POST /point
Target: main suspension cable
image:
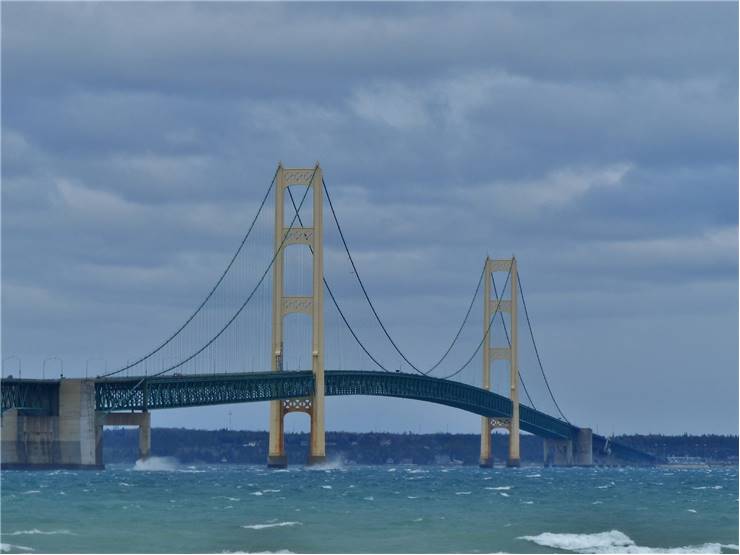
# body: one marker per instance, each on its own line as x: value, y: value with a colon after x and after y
x: 333, y: 298
x: 485, y: 335
x: 536, y: 351
x: 210, y: 293
x: 372, y: 306
x: 279, y: 250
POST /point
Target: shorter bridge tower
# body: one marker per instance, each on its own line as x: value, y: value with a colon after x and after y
x: 491, y: 354
x: 286, y: 235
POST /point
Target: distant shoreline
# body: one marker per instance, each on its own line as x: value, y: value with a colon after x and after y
x: 380, y: 448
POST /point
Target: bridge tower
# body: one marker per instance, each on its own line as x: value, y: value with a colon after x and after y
x: 313, y: 305
x: 492, y: 354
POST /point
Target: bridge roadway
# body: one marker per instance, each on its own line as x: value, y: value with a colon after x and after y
x: 173, y: 391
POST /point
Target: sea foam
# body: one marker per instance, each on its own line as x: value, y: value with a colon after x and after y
x: 271, y: 525
x: 37, y: 531
x: 156, y: 464
x: 613, y: 541
x: 6, y: 547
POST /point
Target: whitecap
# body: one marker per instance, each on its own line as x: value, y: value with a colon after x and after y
x: 528, y: 502
x: 613, y: 541
x: 691, y: 510
x: 270, y: 491
x: 35, y: 531
x: 499, y: 488
x: 256, y: 493
x: 326, y: 487
x: 369, y: 498
x: 5, y: 547
x: 156, y: 464
x: 503, y: 494
x: 463, y: 492
x: 31, y: 491
x: 391, y: 470
x: 279, y: 551
x: 329, y: 465
x: 271, y: 525
x: 125, y: 484
x: 412, y: 497
x: 534, y: 475
x: 418, y: 519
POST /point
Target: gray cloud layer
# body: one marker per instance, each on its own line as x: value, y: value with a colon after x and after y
x: 598, y: 142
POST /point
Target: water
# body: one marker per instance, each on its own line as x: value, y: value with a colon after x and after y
x: 162, y: 506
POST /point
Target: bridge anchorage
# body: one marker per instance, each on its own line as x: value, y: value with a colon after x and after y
x: 59, y: 423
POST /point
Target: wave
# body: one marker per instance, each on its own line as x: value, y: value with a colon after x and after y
x: 7, y: 547
x: 613, y: 541
x: 333, y: 464
x: 271, y: 525
x: 278, y: 551
x: 31, y: 491
x: 37, y: 531
x: 156, y: 464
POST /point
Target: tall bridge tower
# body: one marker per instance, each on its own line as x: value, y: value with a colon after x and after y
x: 282, y: 305
x: 491, y: 354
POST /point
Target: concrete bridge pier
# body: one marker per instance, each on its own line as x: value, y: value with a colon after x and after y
x: 143, y: 420
x: 583, y: 453
x: 69, y: 435
x: 577, y: 451
x: 558, y: 452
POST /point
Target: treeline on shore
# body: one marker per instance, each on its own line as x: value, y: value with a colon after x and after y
x: 245, y: 447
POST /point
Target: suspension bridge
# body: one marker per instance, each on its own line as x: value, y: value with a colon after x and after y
x: 248, y: 340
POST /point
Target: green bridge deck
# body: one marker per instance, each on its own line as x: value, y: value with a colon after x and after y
x: 173, y: 391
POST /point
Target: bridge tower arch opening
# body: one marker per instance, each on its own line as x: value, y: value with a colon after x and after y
x: 491, y: 307
x: 290, y: 231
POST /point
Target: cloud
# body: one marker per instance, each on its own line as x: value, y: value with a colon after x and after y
x: 559, y: 188
x: 131, y: 169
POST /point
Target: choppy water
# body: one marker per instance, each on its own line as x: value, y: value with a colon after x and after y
x: 165, y: 507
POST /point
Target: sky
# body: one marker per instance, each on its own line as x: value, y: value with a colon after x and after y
x: 597, y: 142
